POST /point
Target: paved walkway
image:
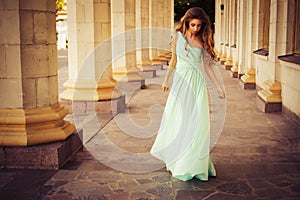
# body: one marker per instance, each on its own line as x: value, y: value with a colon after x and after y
x: 256, y: 157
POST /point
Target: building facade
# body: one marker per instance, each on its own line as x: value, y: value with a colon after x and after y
x: 259, y: 41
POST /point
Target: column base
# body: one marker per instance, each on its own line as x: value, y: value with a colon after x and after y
x: 234, y: 74
x: 25, y: 127
x: 269, y: 99
x: 50, y: 156
x: 223, y: 58
x: 105, y: 106
x: 90, y: 90
x: 164, y: 59
x: 146, y: 70
x: 234, y: 71
x: 248, y: 86
x: 168, y: 55
x: 268, y: 107
x: 157, y: 65
x: 159, y: 60
x: 130, y: 88
x: 227, y: 66
x: 248, y: 80
x: 148, y: 73
x: 131, y: 75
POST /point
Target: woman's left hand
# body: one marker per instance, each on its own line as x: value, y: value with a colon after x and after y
x: 221, y: 93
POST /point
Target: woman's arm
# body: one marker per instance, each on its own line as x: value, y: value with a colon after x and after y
x: 208, y: 62
x: 172, y: 64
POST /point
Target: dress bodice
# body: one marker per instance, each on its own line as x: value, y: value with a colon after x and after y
x: 187, y: 56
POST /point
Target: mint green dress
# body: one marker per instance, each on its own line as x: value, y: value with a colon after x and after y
x: 183, y: 139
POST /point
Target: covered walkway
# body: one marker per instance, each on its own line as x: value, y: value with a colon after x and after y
x: 256, y: 157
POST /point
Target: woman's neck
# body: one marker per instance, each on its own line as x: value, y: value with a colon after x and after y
x: 191, y: 35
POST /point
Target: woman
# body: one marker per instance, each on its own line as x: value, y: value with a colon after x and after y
x: 184, y: 135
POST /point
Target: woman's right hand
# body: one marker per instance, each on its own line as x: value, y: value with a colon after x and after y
x: 165, y: 86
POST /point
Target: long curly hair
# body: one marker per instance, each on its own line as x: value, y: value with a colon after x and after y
x: 205, y: 34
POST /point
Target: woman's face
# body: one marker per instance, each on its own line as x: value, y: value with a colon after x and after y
x: 195, y: 26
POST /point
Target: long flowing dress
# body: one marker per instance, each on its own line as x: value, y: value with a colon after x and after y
x: 183, y: 139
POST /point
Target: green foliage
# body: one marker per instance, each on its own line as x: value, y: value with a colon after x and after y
x: 60, y: 5
x: 181, y: 6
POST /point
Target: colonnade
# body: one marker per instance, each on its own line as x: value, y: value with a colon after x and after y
x: 258, y: 42
x: 98, y: 33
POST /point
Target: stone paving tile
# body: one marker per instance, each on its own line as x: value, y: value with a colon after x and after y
x: 256, y: 157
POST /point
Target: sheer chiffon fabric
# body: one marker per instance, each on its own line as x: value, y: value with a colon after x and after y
x: 183, y: 140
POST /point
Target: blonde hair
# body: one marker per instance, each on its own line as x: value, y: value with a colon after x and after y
x: 205, y: 34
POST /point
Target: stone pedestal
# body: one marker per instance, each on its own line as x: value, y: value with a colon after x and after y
x: 223, y: 59
x: 269, y: 98
x: 234, y: 71
x: 228, y: 64
x: 164, y: 59
x: 268, y: 107
x: 146, y: 70
x: 168, y: 55
x: 240, y: 75
x: 248, y: 80
x: 50, y: 156
x: 159, y: 60
x: 157, y: 65
x: 102, y: 106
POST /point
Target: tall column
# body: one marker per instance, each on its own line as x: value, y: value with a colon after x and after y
x: 234, y: 51
x: 223, y: 57
x: 161, y: 14
x: 241, y: 42
x: 249, y: 79
x: 142, y: 39
x: 169, y: 18
x: 172, y: 15
x: 229, y: 25
x: 124, y: 41
x: 217, y: 34
x: 164, y: 32
x: 154, y: 37
x: 29, y: 109
x: 90, y: 72
x: 153, y: 26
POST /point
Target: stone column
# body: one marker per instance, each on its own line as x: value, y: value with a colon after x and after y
x: 172, y: 15
x: 142, y: 39
x: 29, y: 109
x: 162, y: 14
x: 168, y: 31
x: 124, y: 42
x: 217, y: 35
x: 153, y: 39
x: 249, y: 79
x: 234, y: 51
x: 241, y: 42
x: 229, y: 25
x: 223, y: 57
x: 90, y: 72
